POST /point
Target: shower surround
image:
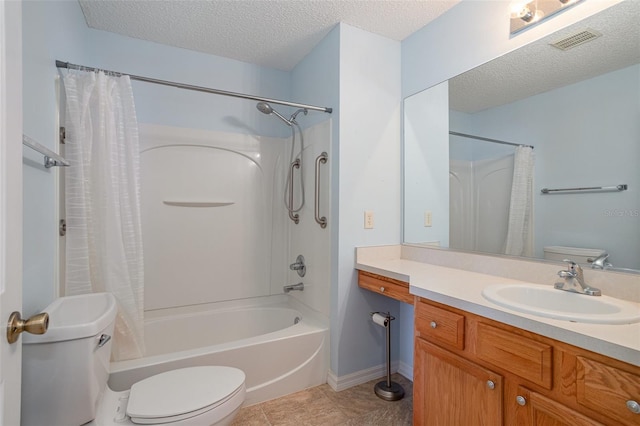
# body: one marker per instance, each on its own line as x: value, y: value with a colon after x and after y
x: 216, y: 234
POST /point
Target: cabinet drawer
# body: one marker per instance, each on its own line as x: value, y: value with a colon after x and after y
x: 607, y: 390
x: 385, y: 286
x: 439, y: 325
x: 522, y: 356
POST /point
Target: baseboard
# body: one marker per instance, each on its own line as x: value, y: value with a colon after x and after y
x: 405, y: 370
x: 345, y: 382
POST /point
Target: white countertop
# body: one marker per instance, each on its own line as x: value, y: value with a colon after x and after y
x: 463, y: 289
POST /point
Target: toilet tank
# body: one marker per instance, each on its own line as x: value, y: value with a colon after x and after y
x: 65, y: 370
x: 582, y: 256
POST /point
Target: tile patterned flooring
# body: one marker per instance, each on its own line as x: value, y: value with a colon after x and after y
x: 322, y: 406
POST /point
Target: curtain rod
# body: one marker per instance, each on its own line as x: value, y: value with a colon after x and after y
x: 61, y: 64
x: 464, y: 135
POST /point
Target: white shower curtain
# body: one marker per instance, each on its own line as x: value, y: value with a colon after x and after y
x: 102, y: 199
x: 520, y: 231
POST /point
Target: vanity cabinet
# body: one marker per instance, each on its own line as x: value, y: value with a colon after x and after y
x: 461, y: 393
x: 469, y: 369
x: 389, y: 287
x: 536, y: 409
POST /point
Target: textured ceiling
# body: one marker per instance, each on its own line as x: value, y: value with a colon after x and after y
x: 272, y: 33
x: 539, y: 67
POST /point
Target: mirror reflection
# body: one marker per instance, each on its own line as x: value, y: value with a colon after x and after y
x: 472, y: 180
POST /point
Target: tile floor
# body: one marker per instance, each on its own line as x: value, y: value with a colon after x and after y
x: 322, y: 406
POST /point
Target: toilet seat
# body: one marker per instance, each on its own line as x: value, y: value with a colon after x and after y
x: 184, y: 393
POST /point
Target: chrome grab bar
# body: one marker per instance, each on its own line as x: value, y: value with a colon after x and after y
x: 293, y: 216
x: 622, y: 187
x: 322, y: 221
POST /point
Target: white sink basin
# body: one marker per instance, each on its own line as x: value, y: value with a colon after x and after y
x: 546, y: 301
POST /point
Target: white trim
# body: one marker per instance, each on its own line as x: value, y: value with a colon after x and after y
x: 363, y: 376
x: 405, y: 370
x: 10, y: 203
x: 58, y: 197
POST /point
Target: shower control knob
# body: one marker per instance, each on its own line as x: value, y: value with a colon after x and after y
x: 299, y: 266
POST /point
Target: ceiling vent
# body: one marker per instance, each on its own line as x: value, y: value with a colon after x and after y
x: 576, y: 39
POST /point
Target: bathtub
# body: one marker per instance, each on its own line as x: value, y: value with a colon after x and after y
x: 281, y: 347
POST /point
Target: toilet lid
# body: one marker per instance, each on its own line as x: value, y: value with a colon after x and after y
x: 182, y: 391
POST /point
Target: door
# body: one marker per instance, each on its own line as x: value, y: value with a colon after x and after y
x: 450, y: 391
x: 535, y: 409
x: 10, y: 204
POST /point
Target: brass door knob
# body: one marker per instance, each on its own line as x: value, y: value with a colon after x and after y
x: 36, y: 324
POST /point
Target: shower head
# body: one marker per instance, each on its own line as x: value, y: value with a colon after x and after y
x: 265, y: 108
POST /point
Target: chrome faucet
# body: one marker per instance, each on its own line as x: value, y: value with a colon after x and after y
x: 288, y: 288
x: 299, y: 266
x: 600, y: 261
x: 574, y: 280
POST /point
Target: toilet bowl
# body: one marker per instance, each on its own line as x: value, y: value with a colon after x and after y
x: 65, y: 372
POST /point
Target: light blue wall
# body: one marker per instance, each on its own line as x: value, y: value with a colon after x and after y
x: 183, y: 108
x: 337, y: 73
x: 467, y: 149
x: 369, y: 173
x: 50, y: 29
x: 366, y: 158
x: 595, y: 143
x: 470, y: 34
x: 467, y: 35
x: 316, y: 81
x: 426, y: 166
x: 57, y: 30
x: 356, y: 72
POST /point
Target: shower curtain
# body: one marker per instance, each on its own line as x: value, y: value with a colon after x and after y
x: 519, y: 240
x: 102, y: 200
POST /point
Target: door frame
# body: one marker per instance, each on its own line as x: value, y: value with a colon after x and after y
x: 10, y: 204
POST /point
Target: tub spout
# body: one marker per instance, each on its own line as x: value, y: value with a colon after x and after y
x: 288, y: 288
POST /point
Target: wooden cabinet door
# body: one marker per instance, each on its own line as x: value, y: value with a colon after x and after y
x: 535, y: 409
x: 451, y: 391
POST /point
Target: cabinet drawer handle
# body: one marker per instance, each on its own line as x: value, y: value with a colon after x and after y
x: 521, y: 400
x: 490, y: 384
x: 633, y: 406
x: 433, y: 324
x: 381, y: 289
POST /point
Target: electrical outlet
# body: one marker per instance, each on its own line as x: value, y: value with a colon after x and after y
x: 427, y: 218
x: 368, y: 219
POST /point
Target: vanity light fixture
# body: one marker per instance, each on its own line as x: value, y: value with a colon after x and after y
x: 523, y: 10
x: 524, y: 13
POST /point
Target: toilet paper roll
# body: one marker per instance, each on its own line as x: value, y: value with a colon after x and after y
x: 380, y: 319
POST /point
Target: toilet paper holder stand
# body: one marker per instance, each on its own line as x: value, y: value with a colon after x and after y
x: 387, y: 389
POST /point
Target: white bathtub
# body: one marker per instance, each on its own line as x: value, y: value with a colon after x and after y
x: 280, y: 349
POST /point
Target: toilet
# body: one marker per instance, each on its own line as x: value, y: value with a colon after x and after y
x: 65, y: 372
x: 582, y: 256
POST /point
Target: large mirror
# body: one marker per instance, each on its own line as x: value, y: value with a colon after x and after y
x: 470, y: 186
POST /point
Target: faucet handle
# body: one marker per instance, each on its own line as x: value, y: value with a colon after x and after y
x: 570, y: 272
x: 573, y: 266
